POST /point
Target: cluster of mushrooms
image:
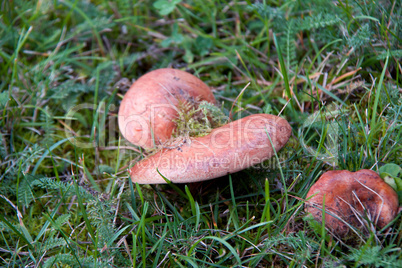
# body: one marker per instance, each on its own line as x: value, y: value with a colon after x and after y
x: 147, y: 119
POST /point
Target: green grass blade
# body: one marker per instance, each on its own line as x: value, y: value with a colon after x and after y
x: 378, y: 94
x: 283, y: 69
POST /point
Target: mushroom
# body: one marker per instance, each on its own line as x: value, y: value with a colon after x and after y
x: 148, y: 108
x: 350, y: 198
x: 148, y: 116
x: 227, y: 149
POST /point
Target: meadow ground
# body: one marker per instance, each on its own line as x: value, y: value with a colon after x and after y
x: 331, y: 68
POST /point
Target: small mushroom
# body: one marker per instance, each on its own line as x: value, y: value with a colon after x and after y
x: 350, y: 198
x: 148, y: 108
x: 227, y: 149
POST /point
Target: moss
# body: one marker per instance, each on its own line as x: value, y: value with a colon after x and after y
x: 196, y: 119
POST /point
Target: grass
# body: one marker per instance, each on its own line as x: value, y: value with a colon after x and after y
x: 331, y: 68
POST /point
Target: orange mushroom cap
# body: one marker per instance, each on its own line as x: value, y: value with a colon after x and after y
x: 148, y: 108
x: 349, y: 198
x: 227, y: 149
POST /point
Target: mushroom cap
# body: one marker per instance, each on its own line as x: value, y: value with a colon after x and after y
x: 227, y: 149
x: 148, y: 108
x: 362, y: 192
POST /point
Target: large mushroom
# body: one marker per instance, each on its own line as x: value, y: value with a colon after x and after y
x: 148, y: 116
x: 227, y: 149
x: 352, y: 199
x: 148, y: 109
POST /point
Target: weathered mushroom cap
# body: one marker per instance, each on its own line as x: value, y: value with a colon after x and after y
x: 362, y: 191
x: 227, y: 149
x: 148, y: 108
